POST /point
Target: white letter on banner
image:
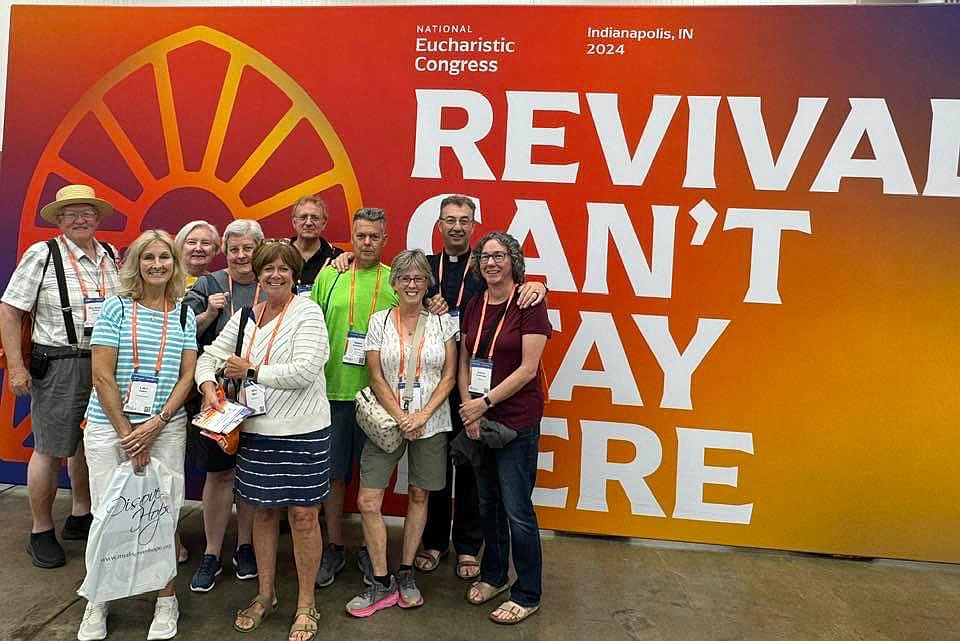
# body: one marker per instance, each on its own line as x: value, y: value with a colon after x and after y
x: 942, y: 178
x: 653, y: 279
x: 424, y: 218
x: 868, y: 116
x: 430, y: 137
x: 596, y: 470
x: 550, y: 496
x: 693, y: 474
x: 522, y: 136
x: 596, y: 328
x: 701, y: 142
x: 767, y: 225
x: 678, y: 368
x: 533, y: 218
x: 624, y: 169
x: 769, y: 174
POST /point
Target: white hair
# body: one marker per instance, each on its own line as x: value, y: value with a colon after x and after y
x: 242, y: 227
x: 187, y: 229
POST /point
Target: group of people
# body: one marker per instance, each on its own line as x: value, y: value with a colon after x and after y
x: 448, y: 344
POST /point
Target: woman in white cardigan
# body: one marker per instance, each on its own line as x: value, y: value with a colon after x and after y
x: 283, y: 458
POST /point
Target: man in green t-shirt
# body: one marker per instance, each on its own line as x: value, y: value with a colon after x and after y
x: 348, y: 300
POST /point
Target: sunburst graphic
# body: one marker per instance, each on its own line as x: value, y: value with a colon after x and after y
x: 55, y: 167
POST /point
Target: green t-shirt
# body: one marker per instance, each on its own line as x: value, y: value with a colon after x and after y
x: 331, y: 291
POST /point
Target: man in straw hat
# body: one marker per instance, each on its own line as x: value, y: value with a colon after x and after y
x: 58, y: 378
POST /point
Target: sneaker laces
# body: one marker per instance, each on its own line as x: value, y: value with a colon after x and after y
x: 208, y: 564
x: 93, y: 609
x: 163, y: 611
x: 406, y: 580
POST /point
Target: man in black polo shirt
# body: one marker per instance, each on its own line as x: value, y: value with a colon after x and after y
x: 309, y: 217
x: 456, y: 285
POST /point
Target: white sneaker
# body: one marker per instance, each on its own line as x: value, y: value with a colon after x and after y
x: 165, y: 616
x: 93, y: 627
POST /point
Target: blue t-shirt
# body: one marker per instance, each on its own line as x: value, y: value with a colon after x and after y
x: 114, y: 329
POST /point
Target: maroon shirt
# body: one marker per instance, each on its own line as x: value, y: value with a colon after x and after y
x: 524, y: 409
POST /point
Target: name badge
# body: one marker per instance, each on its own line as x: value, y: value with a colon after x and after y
x: 253, y: 396
x: 481, y: 375
x: 416, y: 403
x: 141, y: 394
x: 455, y: 315
x: 304, y: 290
x: 354, y: 353
x: 92, y: 308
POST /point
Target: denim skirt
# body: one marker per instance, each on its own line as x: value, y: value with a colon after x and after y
x: 279, y: 471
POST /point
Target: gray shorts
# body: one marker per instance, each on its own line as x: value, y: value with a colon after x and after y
x: 58, y: 404
x: 347, y: 441
x: 426, y: 461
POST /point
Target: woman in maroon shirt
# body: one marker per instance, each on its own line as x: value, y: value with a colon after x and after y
x: 499, y: 363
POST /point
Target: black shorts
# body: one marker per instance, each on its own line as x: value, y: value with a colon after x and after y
x: 205, y: 454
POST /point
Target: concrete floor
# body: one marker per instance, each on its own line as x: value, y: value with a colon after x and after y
x: 595, y: 590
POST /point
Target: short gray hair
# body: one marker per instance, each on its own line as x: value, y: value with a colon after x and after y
x: 411, y: 259
x: 187, y: 229
x: 517, y: 265
x: 243, y: 227
x: 373, y: 215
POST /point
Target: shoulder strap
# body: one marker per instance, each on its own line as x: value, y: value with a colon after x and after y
x: 326, y: 303
x: 244, y: 316
x: 36, y: 299
x: 107, y: 248
x: 183, y: 316
x: 408, y: 376
x: 64, y: 295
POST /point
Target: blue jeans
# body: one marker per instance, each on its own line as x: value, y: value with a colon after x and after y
x: 505, y: 483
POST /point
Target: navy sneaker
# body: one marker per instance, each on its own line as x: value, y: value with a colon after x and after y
x: 331, y: 564
x: 205, y: 577
x: 245, y: 562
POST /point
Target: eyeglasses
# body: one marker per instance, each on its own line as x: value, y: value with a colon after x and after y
x: 312, y: 218
x: 496, y: 257
x: 69, y: 216
x: 282, y: 241
x: 453, y: 222
x: 415, y: 280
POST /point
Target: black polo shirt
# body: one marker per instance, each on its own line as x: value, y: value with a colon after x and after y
x: 315, y: 263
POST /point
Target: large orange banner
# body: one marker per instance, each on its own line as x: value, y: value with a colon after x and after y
x: 747, y: 219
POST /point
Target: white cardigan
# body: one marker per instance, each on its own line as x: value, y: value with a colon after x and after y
x: 294, y: 382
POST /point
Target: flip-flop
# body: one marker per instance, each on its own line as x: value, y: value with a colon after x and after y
x: 427, y: 562
x: 486, y: 591
x: 464, y: 564
x: 516, y: 611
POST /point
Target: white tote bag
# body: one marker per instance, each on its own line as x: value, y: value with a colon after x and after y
x: 130, y: 549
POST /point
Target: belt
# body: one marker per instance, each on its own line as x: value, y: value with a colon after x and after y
x: 60, y: 353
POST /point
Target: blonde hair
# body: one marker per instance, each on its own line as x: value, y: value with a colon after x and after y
x: 131, y: 281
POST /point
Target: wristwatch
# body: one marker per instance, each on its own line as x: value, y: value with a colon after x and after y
x: 252, y: 374
x: 486, y: 399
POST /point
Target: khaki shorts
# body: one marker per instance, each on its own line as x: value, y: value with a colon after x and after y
x: 426, y: 459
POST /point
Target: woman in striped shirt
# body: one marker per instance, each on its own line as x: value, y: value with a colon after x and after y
x: 283, y: 459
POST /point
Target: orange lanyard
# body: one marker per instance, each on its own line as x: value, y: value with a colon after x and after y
x: 273, y: 335
x: 163, y: 339
x: 403, y: 345
x: 483, y: 314
x: 353, y: 293
x: 463, y: 281
x: 76, y: 271
x: 256, y: 293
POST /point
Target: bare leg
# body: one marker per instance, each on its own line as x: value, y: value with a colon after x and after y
x: 307, y: 549
x: 333, y: 512
x: 265, y: 533
x: 79, y: 482
x: 217, y: 507
x: 369, y: 501
x: 42, y: 473
x: 170, y: 590
x: 414, y: 522
x: 244, y: 522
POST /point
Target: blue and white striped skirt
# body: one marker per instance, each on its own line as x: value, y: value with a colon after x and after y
x: 277, y: 471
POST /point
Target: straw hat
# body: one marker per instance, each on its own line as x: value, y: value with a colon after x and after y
x: 75, y: 195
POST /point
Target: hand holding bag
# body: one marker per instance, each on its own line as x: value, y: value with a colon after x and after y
x: 376, y: 422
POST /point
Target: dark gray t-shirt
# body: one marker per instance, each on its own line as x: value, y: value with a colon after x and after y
x: 215, y: 283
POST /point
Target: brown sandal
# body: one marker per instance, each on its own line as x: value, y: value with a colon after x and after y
x: 516, y: 611
x: 425, y: 561
x: 269, y: 605
x: 313, y: 628
x: 472, y: 569
x: 485, y: 591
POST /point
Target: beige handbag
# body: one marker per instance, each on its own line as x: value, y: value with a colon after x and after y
x: 373, y: 419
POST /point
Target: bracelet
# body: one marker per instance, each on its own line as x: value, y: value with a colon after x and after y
x: 164, y: 418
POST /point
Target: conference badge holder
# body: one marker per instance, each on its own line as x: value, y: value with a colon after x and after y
x: 254, y: 397
x: 92, y: 307
x: 354, y: 353
x: 416, y: 401
x: 481, y: 375
x: 141, y: 394
x: 455, y: 315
